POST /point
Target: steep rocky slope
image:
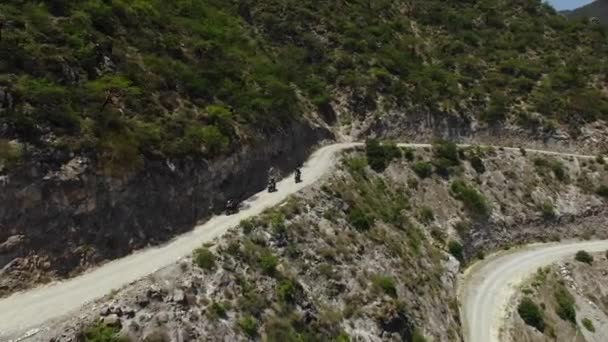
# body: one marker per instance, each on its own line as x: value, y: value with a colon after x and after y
x: 572, y: 297
x: 372, y: 252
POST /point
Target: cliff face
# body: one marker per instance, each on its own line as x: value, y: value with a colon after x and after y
x: 57, y: 219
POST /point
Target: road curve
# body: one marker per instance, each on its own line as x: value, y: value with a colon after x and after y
x: 33, y: 308
x: 488, y: 286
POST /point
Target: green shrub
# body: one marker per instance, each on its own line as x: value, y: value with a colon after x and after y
x: 423, y: 169
x: 426, y: 215
x: 385, y: 284
x: 379, y: 156
x: 588, y: 324
x: 547, y: 210
x: 204, y: 258
x: 247, y: 226
x: 602, y: 191
x: 249, y: 326
x: 361, y: 220
x: 473, y: 201
x: 408, y: 154
x: 103, y: 333
x: 477, y: 164
x: 565, y: 304
x: 531, y: 314
x: 286, y: 291
x: 456, y: 249
x: 217, y: 310
x: 584, y: 256
x: 268, y: 263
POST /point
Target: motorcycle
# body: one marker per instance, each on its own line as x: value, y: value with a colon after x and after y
x: 272, y: 185
x: 231, y: 207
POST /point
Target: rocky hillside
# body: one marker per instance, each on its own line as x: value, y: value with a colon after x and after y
x: 371, y: 253
x: 122, y: 123
x: 564, y: 302
x: 596, y: 9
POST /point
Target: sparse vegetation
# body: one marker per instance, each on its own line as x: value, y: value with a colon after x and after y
x: 559, y: 170
x: 531, y: 314
x: 102, y: 333
x: 584, y: 256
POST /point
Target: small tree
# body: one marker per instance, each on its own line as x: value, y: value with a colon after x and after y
x: 584, y: 256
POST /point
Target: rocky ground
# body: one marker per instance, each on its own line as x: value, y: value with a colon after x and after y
x: 372, y: 255
x: 586, y: 283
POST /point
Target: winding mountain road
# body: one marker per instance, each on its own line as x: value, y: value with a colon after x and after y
x: 31, y: 309
x: 489, y: 285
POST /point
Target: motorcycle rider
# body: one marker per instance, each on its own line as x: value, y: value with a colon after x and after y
x: 298, y: 174
x: 231, y: 206
x: 272, y: 183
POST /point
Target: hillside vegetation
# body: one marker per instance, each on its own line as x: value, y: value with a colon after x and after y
x: 127, y: 79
